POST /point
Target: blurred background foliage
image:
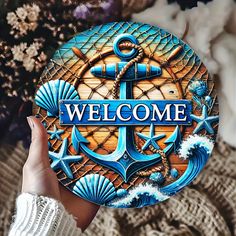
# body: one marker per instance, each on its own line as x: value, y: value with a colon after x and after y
x: 30, y: 32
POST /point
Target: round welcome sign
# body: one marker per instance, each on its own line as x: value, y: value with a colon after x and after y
x: 131, y: 114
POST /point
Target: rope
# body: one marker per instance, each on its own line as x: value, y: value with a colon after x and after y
x: 126, y: 67
x: 165, y: 163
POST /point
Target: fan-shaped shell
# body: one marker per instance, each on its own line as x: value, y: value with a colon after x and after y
x: 49, y: 94
x: 95, y: 188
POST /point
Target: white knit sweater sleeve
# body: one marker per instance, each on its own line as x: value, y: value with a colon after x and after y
x: 42, y: 216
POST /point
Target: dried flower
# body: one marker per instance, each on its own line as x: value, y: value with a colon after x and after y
x: 100, y: 12
x: 12, y: 19
x: 21, y: 13
x: 30, y: 34
x: 29, y: 63
x: 33, y: 12
x: 82, y: 11
x: 18, y: 51
x: 27, y: 55
x: 24, y: 19
x: 32, y: 50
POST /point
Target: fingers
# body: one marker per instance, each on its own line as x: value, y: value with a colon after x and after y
x: 38, y: 177
x: 38, y: 153
x: 83, y: 211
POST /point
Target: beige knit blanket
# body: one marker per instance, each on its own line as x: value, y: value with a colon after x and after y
x: 207, y: 207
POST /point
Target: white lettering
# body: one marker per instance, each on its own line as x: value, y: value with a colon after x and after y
x: 135, y: 112
x: 106, y: 117
x: 112, y: 112
x: 76, y: 111
x: 159, y: 114
x: 179, y: 112
x: 118, y: 112
x: 93, y: 112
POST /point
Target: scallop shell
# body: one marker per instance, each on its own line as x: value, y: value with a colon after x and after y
x: 49, y: 94
x: 95, y: 188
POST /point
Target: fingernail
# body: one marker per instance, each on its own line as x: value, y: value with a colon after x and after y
x: 30, y: 122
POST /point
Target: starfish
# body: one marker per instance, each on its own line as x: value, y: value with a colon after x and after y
x: 61, y: 160
x: 55, y: 133
x: 151, y: 139
x: 204, y: 121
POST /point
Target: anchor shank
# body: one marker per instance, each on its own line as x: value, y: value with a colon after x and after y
x: 126, y: 132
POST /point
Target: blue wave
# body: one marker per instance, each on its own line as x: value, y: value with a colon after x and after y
x: 196, y: 149
x: 140, y: 196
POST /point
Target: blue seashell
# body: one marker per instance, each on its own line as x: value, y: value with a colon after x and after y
x: 174, y: 173
x: 121, y: 192
x: 95, y: 188
x: 198, y: 87
x: 157, y: 177
x: 49, y: 94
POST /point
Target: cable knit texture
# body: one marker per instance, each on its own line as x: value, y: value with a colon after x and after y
x: 206, y: 207
x: 39, y: 215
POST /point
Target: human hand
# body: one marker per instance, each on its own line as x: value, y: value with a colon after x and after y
x: 40, y: 179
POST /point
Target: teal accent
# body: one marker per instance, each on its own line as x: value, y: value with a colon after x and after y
x: 62, y: 160
x: 95, y: 188
x: 151, y: 138
x: 204, y: 121
x: 55, y: 133
x: 174, y: 141
x: 174, y: 173
x: 157, y: 177
x: 77, y: 138
x: 128, y: 55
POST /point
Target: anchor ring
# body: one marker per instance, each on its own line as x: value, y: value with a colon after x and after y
x: 128, y: 55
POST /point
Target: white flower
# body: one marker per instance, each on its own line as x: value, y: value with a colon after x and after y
x: 32, y: 16
x: 32, y: 12
x: 23, y: 46
x: 28, y: 55
x: 22, y: 27
x: 24, y: 19
x: 21, y: 13
x: 35, y: 8
x: 32, y: 26
x: 18, y: 51
x: 32, y: 50
x: 11, y: 18
x: 29, y: 63
x: 42, y: 57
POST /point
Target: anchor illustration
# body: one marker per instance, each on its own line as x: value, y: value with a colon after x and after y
x: 126, y: 160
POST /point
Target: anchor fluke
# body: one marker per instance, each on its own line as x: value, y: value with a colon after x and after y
x: 173, y: 141
x: 77, y: 138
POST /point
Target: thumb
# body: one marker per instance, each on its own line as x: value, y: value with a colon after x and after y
x: 38, y: 152
x: 38, y: 177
